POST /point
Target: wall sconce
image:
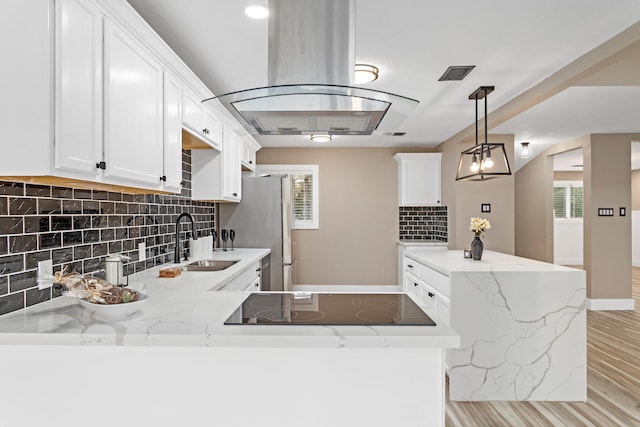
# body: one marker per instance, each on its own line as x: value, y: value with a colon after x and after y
x: 525, y: 150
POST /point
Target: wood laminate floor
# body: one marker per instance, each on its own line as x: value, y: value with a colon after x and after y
x: 613, y: 382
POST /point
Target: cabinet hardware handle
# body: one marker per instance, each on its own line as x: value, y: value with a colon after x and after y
x: 205, y: 131
x: 101, y: 165
x: 415, y: 284
x: 430, y: 294
x: 409, y: 265
x: 181, y: 183
x: 235, y: 194
x: 250, y: 162
x: 258, y: 269
x: 163, y: 178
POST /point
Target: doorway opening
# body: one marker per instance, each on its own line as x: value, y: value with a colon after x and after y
x: 568, y: 208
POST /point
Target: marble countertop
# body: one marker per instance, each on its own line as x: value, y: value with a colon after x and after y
x: 447, y: 262
x: 187, y: 311
x: 414, y: 243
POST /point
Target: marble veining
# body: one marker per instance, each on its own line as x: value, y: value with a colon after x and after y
x: 522, y: 325
x: 187, y: 311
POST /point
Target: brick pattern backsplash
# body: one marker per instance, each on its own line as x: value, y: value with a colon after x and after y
x: 423, y: 223
x: 77, y: 228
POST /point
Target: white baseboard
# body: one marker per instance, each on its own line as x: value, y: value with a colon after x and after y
x: 601, y: 304
x: 568, y: 261
x: 356, y: 289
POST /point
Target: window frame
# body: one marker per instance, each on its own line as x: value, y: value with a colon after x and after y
x: 568, y: 204
x: 299, y: 169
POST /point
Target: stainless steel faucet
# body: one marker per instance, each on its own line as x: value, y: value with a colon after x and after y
x: 176, y: 254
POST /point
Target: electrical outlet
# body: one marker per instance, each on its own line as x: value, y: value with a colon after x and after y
x: 45, y: 274
x: 142, y: 251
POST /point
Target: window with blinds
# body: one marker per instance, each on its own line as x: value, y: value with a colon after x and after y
x: 568, y: 199
x: 304, y: 192
x: 302, y: 200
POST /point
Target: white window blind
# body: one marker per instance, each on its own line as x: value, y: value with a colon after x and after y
x: 304, y: 192
x: 568, y: 199
x: 302, y: 200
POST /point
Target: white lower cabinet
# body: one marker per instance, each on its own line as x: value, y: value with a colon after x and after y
x: 247, y: 281
x: 430, y: 288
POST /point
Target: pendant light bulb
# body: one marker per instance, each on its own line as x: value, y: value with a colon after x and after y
x: 525, y: 151
x: 475, y: 167
x: 488, y: 161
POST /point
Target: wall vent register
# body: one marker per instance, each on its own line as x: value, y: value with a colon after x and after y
x: 306, y: 308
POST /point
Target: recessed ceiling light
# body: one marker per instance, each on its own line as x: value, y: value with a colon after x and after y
x: 256, y: 12
x: 320, y: 138
x: 365, y: 73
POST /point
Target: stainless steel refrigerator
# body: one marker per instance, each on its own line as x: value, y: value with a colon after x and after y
x: 263, y: 220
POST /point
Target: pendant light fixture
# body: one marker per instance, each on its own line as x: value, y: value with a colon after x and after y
x: 525, y: 150
x: 484, y: 160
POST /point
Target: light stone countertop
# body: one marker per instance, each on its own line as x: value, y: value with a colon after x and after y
x: 187, y: 311
x: 447, y: 262
x: 418, y: 243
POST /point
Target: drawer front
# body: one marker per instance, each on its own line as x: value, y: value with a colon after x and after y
x: 412, y: 285
x: 411, y: 266
x: 438, y: 281
x: 241, y: 282
x: 428, y: 298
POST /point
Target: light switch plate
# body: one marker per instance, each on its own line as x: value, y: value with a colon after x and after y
x: 45, y: 274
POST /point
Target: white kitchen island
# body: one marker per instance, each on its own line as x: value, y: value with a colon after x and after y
x: 522, y: 323
x: 176, y: 363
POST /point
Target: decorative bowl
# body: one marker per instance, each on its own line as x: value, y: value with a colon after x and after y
x: 114, y: 311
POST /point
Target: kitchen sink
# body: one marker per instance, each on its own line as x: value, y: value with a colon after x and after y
x: 209, y: 265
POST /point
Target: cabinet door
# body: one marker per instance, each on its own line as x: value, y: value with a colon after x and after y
x: 133, y: 110
x: 78, y: 98
x: 192, y: 115
x: 231, y: 168
x: 172, y: 134
x: 421, y: 182
x: 212, y: 128
x: 248, y: 155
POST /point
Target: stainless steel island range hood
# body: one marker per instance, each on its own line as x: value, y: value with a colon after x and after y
x: 311, y: 64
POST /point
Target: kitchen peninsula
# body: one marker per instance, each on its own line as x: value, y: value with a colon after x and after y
x: 522, y: 323
x: 176, y: 363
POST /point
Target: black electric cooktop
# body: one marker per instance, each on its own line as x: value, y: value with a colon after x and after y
x: 306, y: 308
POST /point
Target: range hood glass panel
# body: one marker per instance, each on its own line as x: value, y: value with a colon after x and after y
x: 311, y: 100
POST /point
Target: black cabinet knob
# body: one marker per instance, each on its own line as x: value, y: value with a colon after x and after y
x: 415, y: 284
x: 101, y: 165
x: 250, y: 162
x: 163, y: 178
x: 409, y: 265
x: 235, y: 194
x: 430, y: 294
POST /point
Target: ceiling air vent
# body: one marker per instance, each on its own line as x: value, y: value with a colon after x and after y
x: 457, y: 72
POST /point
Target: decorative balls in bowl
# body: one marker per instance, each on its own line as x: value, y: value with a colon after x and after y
x: 115, y: 311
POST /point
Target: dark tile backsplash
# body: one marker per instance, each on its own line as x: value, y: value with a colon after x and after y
x: 416, y: 223
x: 77, y: 228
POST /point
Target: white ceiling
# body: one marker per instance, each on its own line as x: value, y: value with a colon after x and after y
x: 577, y: 111
x: 514, y: 45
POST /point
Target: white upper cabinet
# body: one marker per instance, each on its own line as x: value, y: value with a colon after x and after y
x: 78, y: 101
x: 200, y: 122
x: 231, y: 167
x: 94, y: 98
x: 217, y: 176
x: 133, y: 136
x: 418, y: 179
x: 249, y: 148
x: 172, y: 177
